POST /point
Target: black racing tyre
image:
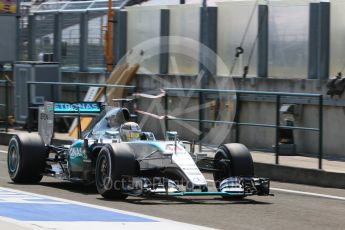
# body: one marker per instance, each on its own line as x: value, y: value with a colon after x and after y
x: 240, y: 162
x: 26, y: 158
x: 113, y: 162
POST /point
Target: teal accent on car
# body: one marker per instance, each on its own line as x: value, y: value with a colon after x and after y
x: 76, y: 156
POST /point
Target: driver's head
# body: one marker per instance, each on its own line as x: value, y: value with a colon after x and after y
x: 112, y: 121
x: 130, y: 131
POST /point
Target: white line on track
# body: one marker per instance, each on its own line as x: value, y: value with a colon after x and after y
x: 303, y: 193
x: 2, y: 151
x: 309, y: 194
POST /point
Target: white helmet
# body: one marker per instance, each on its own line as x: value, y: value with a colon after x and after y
x: 130, y: 131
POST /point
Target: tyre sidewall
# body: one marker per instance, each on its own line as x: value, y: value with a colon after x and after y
x: 222, y: 153
x: 241, y: 162
x: 117, y: 167
x: 14, y: 143
x: 32, y: 156
x: 105, y: 154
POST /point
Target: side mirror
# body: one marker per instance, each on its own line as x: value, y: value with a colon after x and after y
x: 147, y: 136
x: 170, y: 135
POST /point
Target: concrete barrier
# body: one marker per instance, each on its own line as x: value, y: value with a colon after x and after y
x: 300, y: 175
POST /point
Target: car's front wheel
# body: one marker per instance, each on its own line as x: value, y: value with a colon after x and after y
x: 114, y: 162
x: 232, y: 160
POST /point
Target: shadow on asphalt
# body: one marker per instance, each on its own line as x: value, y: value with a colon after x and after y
x: 68, y: 186
x: 152, y: 200
x: 164, y: 200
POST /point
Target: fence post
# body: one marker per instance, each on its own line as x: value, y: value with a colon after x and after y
x: 201, y: 118
x: 237, y: 117
x: 28, y: 118
x: 320, y: 131
x: 7, y: 105
x: 166, y: 107
x: 277, y: 127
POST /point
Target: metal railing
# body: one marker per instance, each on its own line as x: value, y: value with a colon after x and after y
x: 6, y: 102
x: 201, y: 94
x: 237, y: 122
x: 78, y: 89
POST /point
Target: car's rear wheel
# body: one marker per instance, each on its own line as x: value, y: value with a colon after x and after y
x: 232, y: 160
x: 114, y: 162
x: 26, y: 158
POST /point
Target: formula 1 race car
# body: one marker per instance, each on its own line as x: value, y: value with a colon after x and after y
x: 121, y: 160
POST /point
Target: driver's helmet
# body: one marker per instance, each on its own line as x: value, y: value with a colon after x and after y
x: 130, y: 131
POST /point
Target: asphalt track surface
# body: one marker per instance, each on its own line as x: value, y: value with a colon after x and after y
x: 293, y: 206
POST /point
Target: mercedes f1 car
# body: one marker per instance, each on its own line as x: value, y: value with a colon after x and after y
x: 122, y: 160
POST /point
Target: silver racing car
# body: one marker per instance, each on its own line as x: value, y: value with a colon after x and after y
x: 121, y: 159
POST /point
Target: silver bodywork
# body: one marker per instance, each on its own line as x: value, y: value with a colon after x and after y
x: 151, y: 154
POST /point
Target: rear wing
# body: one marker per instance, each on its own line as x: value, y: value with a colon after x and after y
x: 77, y: 109
x: 49, y: 110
